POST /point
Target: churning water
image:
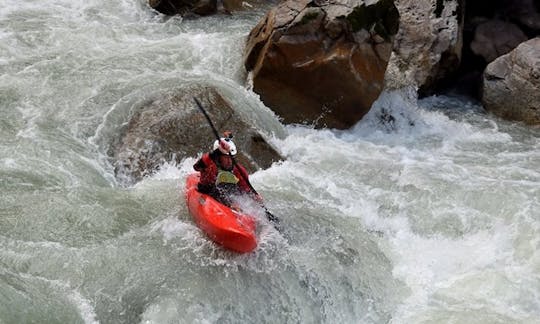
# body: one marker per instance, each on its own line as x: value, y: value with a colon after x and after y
x: 433, y: 217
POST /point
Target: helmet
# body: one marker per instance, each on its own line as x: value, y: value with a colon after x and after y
x: 231, y: 149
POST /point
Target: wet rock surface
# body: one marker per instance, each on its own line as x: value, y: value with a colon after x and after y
x: 171, y: 127
x: 320, y: 62
x: 512, y: 84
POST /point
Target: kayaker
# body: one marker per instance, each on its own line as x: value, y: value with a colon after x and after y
x: 221, y: 177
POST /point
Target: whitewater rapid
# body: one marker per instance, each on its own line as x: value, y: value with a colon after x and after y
x: 431, y: 218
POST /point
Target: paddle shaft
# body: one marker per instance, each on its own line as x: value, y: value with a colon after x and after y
x: 270, y: 216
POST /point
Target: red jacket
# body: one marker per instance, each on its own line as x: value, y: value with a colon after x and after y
x: 208, y: 168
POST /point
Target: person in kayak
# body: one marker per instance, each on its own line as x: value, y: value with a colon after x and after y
x: 221, y: 177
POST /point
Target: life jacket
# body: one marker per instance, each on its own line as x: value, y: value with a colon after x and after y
x: 226, y: 177
x: 212, y: 175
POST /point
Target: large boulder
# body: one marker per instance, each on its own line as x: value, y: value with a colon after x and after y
x: 170, y: 128
x: 428, y: 44
x: 512, y: 83
x: 322, y: 62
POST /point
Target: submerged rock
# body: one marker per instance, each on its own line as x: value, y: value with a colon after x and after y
x: 322, y: 62
x: 171, y: 128
x: 512, y: 84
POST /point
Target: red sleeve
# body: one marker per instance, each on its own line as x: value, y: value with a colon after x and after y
x: 243, y: 176
x: 202, y: 163
x: 208, y: 170
x: 199, y: 165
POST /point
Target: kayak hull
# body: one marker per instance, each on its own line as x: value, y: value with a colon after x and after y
x: 229, y: 228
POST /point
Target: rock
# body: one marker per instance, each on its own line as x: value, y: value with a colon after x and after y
x: 182, y: 7
x: 525, y: 12
x: 428, y: 44
x: 233, y: 5
x: 206, y: 7
x: 240, y: 5
x: 322, y: 62
x: 494, y: 38
x: 171, y: 128
x: 512, y: 83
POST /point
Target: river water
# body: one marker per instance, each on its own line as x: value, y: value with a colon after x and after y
x: 432, y: 218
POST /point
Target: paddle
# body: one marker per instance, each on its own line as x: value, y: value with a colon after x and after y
x: 271, y: 217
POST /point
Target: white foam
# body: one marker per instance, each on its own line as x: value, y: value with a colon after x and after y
x: 85, y: 307
x: 399, y: 179
x: 172, y: 227
x: 86, y: 310
x: 172, y: 171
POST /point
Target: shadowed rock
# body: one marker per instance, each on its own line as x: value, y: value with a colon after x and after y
x: 171, y: 128
x: 204, y: 7
x: 173, y: 7
x: 494, y: 38
x: 525, y: 12
x: 428, y: 44
x: 322, y: 62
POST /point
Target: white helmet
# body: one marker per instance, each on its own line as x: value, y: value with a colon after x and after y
x: 232, y: 147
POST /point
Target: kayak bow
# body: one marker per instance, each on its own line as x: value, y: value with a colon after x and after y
x: 232, y: 229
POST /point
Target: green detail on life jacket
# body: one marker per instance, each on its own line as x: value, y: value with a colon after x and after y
x: 226, y: 177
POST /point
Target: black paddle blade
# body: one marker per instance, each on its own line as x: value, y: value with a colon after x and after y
x: 274, y: 219
x: 271, y: 217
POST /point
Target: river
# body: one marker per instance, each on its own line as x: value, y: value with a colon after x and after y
x: 433, y: 218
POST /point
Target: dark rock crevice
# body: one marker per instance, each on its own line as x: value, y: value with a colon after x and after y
x: 502, y: 18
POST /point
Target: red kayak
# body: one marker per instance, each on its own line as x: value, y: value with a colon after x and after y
x: 225, y: 226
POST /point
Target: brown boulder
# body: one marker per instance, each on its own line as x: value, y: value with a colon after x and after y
x: 171, y: 128
x: 322, y: 63
x: 512, y: 83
